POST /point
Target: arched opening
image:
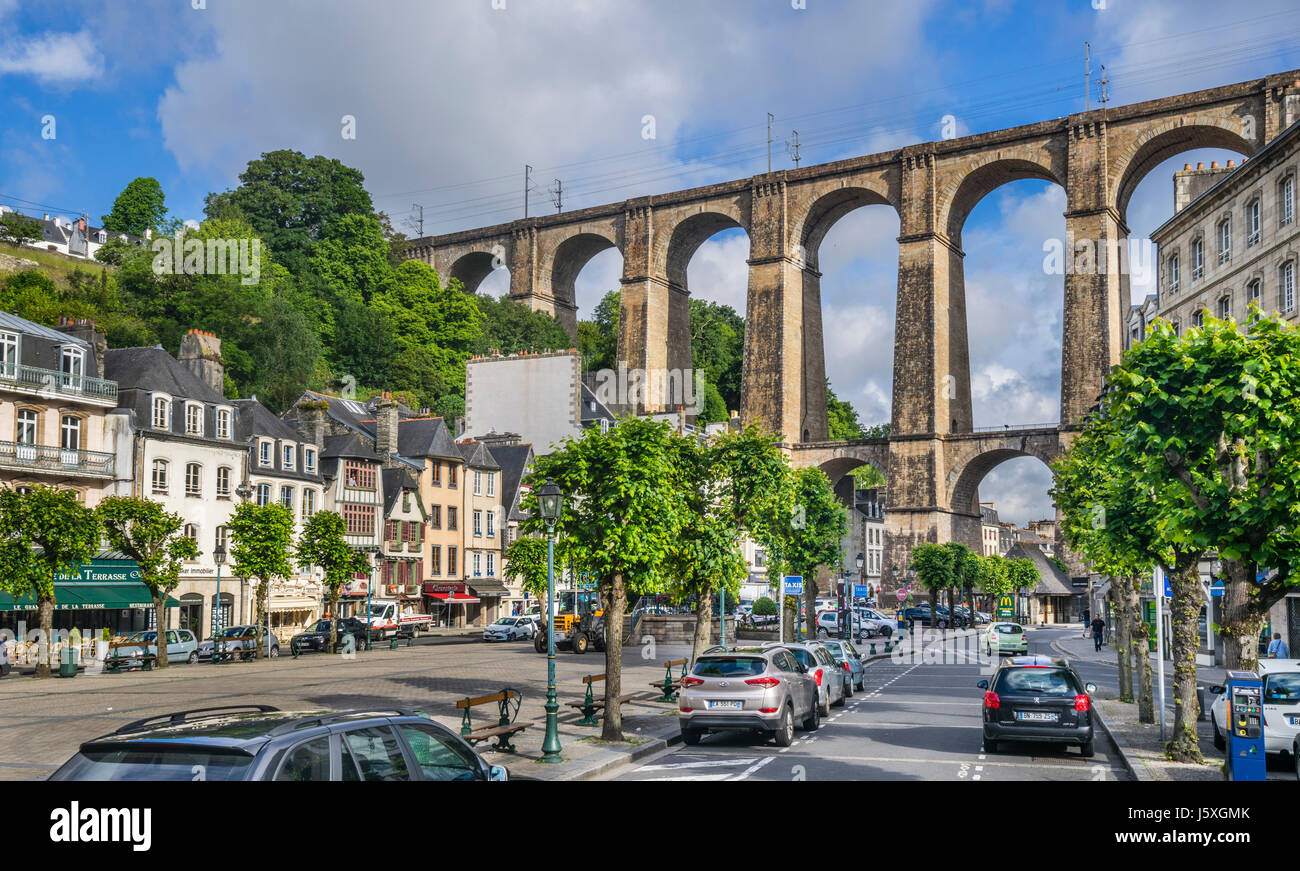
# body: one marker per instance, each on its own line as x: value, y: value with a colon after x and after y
x: 571, y: 259
x: 860, y: 486
x: 596, y: 295
x: 481, y: 272
x: 850, y: 242
x: 1014, y: 305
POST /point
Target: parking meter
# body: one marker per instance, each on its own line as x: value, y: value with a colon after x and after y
x: 1245, y: 726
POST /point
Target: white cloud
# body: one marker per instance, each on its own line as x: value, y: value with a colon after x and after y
x: 52, y: 57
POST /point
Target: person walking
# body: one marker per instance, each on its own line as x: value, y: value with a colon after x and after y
x: 1098, y: 627
x: 1277, y: 648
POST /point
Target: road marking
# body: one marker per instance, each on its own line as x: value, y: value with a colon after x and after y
x: 712, y: 763
x: 751, y: 769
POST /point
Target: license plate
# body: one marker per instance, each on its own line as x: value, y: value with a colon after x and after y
x: 734, y: 706
x: 1295, y: 721
x: 1037, y: 716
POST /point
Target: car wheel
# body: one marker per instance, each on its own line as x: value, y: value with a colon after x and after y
x: 784, y: 735
x: 848, y: 689
x: 539, y: 643
x: 822, y: 633
x: 990, y: 746
x: 194, y: 657
x: 824, y: 709
x: 1219, y: 742
x: 862, y: 684
x: 275, y: 651
x: 691, y: 737
x: 843, y: 697
x: 1295, y: 760
x: 814, y: 721
x: 1088, y: 749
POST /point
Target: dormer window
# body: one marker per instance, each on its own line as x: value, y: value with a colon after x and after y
x: 309, y: 460
x: 193, y: 419
x: 264, y: 453
x: 224, y: 420
x: 73, y: 365
x: 101, y: 237
x: 286, y: 456
x: 162, y: 412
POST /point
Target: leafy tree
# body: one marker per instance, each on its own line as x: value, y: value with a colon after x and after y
x: 765, y: 607
x: 261, y: 544
x: 140, y: 206
x: 842, y: 417
x: 598, y: 340
x: 116, y: 251
x: 867, y: 476
x: 323, y: 544
x: 293, y: 201
x: 622, y: 511
x: 936, y: 568
x: 152, y: 536
x: 805, y: 532
x: 510, y: 326
x: 965, y: 573
x: 44, y: 533
x: 19, y: 229
x: 718, y: 350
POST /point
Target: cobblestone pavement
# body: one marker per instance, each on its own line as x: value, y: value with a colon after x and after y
x: 42, y: 722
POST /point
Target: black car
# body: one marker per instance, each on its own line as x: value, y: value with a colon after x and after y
x: 317, y: 638
x: 259, y: 742
x: 922, y: 616
x: 1037, y: 698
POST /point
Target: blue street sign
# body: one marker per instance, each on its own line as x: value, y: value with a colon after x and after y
x: 793, y: 585
x: 861, y: 591
x: 1216, y: 588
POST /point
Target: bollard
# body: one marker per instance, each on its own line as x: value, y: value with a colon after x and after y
x: 873, y: 648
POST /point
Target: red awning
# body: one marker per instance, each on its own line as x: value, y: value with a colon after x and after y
x: 455, y: 598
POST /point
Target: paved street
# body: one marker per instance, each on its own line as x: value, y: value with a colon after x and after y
x: 914, y: 722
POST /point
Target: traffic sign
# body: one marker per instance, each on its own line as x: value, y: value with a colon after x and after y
x: 793, y: 585
x: 1006, y: 608
x: 861, y: 591
x: 1216, y: 588
x: 902, y: 594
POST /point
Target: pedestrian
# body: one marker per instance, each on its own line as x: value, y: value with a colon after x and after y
x: 1098, y: 627
x: 1277, y: 648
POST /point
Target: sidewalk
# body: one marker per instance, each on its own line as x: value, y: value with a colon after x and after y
x: 1076, y: 647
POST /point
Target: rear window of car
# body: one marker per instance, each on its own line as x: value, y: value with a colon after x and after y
x: 729, y: 666
x: 806, y: 659
x: 154, y: 763
x: 1282, y: 689
x: 1009, y: 628
x: 1037, y: 681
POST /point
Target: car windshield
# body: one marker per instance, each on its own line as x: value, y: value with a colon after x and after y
x: 321, y: 626
x: 805, y: 657
x: 1037, y: 682
x: 835, y: 649
x: 506, y: 621
x: 1009, y: 628
x: 1282, y: 689
x: 232, y: 632
x: 154, y: 763
x: 729, y: 666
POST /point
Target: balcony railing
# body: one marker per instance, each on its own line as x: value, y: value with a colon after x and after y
x: 43, y: 458
x: 16, y: 375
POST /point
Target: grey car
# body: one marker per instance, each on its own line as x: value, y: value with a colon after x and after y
x: 259, y: 742
x: 233, y: 639
x: 748, y: 689
x: 825, y: 671
x: 850, y: 660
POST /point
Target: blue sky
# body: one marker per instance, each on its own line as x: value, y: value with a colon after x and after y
x: 452, y: 98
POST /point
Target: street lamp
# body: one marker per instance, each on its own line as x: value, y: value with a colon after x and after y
x: 370, y: 583
x: 551, y: 502
x: 218, y: 557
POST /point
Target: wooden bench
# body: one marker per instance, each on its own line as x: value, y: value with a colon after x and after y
x: 591, y: 705
x: 670, y: 685
x: 506, y: 725
x: 113, y: 663
x: 222, y: 652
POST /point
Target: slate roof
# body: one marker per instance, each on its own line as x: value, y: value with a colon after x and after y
x: 426, y: 437
x: 1052, y: 581
x: 395, y: 481
x: 590, y: 415
x: 256, y: 419
x: 350, y: 445
x: 154, y: 370
x: 22, y: 325
x: 477, y: 455
x: 512, y: 459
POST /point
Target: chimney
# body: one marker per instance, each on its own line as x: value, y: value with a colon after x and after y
x: 386, y: 428
x: 201, y: 353
x: 1200, y: 165
x: 312, y: 424
x: 84, y: 328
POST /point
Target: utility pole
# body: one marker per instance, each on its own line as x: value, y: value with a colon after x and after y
x: 557, y: 196
x: 528, y: 173
x: 1103, y: 97
x: 770, y: 119
x: 792, y: 147
x: 1087, y: 76
x: 417, y: 207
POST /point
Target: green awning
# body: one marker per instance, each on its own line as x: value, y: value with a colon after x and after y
x: 88, y: 597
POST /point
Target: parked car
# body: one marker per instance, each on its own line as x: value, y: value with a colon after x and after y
x: 828, y: 625
x: 1281, y: 702
x: 317, y: 638
x: 1003, y: 638
x: 510, y: 629
x: 182, y: 646
x: 235, y: 638
x: 758, y: 689
x: 921, y: 614
x: 259, y: 742
x: 1037, y: 698
x: 814, y: 656
x: 964, y: 613
x: 884, y: 625
x: 850, y: 660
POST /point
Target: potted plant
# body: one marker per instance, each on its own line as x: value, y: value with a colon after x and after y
x: 101, y: 646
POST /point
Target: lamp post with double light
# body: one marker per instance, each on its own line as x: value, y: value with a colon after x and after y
x: 218, y: 557
x: 551, y: 502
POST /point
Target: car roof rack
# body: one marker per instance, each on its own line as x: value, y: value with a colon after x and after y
x: 325, y: 719
x: 180, y: 717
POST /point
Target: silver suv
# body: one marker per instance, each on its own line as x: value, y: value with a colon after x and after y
x: 748, y: 689
x: 822, y: 668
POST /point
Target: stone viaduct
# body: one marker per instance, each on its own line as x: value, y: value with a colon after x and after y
x: 933, y: 460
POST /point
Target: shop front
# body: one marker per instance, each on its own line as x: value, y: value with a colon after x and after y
x: 452, y: 604
x: 494, y: 595
x: 107, y: 593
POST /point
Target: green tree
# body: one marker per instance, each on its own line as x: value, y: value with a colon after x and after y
x: 152, y: 536
x: 965, y: 574
x: 622, y: 511
x: 598, y: 340
x: 717, y: 349
x: 19, y: 229
x: 765, y: 607
x: 140, y: 206
x: 323, y: 544
x: 936, y: 569
x: 44, y: 533
x: 805, y: 532
x: 261, y: 543
x: 510, y: 326
x: 842, y: 417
